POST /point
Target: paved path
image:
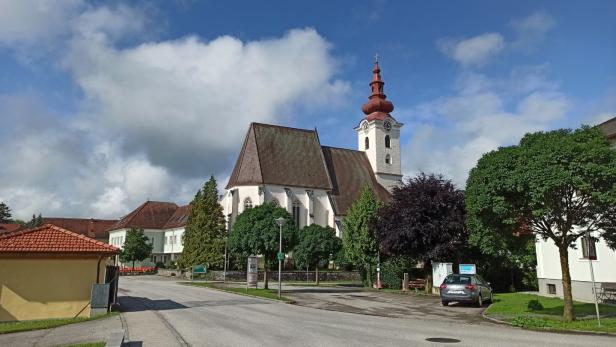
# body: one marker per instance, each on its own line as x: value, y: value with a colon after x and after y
x: 91, y: 331
x: 164, y: 313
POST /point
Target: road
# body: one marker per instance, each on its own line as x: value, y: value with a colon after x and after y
x: 159, y: 312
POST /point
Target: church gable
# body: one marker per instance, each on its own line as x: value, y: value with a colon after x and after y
x: 281, y: 156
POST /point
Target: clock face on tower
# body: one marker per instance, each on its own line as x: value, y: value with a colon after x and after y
x: 387, y: 125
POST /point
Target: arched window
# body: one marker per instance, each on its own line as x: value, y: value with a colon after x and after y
x: 387, y: 159
x: 296, y: 213
x: 247, y: 203
x: 387, y: 141
x: 366, y: 142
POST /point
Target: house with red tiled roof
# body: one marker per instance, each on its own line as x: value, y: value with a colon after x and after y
x: 48, y: 272
x: 8, y: 227
x: 162, y: 222
x: 317, y: 184
x: 90, y: 227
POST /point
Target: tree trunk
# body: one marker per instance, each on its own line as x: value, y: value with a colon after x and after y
x: 512, y: 287
x: 428, y: 275
x: 567, y: 296
x: 265, y: 278
x: 369, y: 275
x: 316, y: 271
x: 132, y: 270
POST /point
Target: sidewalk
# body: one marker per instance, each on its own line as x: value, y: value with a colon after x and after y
x: 91, y: 331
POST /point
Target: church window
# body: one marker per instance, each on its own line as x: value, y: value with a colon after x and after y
x: 366, y: 142
x: 296, y: 213
x: 247, y: 203
x: 387, y: 141
x: 387, y: 159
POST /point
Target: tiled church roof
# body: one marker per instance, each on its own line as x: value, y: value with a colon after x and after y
x: 52, y: 239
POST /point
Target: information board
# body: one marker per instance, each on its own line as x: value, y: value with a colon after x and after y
x: 468, y: 269
x: 252, y: 271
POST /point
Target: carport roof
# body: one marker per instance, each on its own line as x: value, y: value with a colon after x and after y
x: 51, y: 239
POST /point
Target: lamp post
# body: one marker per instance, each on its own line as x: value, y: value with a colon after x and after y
x: 280, y: 221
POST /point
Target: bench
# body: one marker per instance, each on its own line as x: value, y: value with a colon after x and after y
x: 607, y: 292
x: 417, y: 284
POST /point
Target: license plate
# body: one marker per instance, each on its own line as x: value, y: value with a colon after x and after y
x: 455, y: 292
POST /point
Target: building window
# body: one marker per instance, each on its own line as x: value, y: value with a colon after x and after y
x: 387, y: 141
x: 387, y: 159
x: 366, y: 142
x: 589, y: 248
x: 247, y: 203
x: 296, y: 213
x: 551, y: 289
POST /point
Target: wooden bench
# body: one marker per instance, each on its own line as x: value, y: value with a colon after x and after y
x: 417, y: 284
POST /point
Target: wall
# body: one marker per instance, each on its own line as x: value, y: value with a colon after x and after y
x: 388, y: 175
x: 37, y: 288
x: 173, y: 247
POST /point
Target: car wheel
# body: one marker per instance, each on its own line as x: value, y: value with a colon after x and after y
x: 479, y: 301
x: 445, y: 303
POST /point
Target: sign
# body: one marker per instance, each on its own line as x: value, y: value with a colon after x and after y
x: 468, y: 269
x: 252, y: 271
x: 439, y: 272
x: 280, y: 256
x: 199, y: 269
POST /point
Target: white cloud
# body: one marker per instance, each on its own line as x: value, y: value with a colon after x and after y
x: 531, y: 30
x: 452, y: 132
x: 474, y: 51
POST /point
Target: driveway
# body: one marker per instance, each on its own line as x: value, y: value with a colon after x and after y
x: 395, y: 305
x: 161, y: 312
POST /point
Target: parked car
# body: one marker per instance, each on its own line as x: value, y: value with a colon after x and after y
x: 465, y: 288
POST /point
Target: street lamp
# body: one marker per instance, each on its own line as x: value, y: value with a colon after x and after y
x: 280, y: 221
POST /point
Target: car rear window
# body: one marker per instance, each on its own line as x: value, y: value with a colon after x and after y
x: 458, y: 279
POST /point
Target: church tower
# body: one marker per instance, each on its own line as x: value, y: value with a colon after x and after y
x: 378, y: 134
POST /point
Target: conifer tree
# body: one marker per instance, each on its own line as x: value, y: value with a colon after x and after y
x: 205, y: 233
x: 5, y: 213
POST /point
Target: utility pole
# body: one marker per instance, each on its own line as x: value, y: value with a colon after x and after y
x: 280, y: 221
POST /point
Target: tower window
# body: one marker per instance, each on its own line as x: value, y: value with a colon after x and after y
x: 387, y: 141
x: 296, y: 213
x: 247, y: 203
x: 366, y: 142
x: 387, y: 159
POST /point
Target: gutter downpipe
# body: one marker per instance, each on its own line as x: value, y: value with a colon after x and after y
x: 98, y: 269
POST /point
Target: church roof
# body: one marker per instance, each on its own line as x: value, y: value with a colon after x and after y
x: 609, y: 128
x: 281, y: 156
x: 350, y: 171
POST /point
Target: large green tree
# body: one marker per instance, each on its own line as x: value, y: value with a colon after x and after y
x: 424, y: 220
x: 5, y: 213
x: 255, y: 232
x: 358, y: 241
x: 136, y: 247
x: 205, y: 233
x: 557, y: 185
x: 315, y: 244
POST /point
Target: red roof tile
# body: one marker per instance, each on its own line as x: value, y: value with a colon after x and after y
x: 94, y: 228
x: 52, y: 239
x: 8, y: 227
x: 179, y: 218
x: 150, y: 215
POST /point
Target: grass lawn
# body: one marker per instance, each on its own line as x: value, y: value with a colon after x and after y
x: 261, y: 293
x: 13, y: 327
x: 537, y: 312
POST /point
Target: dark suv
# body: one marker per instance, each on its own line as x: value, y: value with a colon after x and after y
x: 465, y: 288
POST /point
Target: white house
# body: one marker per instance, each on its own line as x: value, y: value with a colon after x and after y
x: 548, y: 264
x: 316, y: 183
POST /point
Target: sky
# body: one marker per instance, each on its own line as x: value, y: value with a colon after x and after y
x: 104, y: 105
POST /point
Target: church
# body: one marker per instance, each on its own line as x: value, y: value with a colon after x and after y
x: 316, y: 183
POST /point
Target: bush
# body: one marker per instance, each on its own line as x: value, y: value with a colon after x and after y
x: 160, y: 265
x: 392, y: 271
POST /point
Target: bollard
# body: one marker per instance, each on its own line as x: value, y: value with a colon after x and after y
x: 405, y: 282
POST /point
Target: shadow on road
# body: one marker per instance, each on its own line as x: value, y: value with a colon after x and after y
x: 136, y: 304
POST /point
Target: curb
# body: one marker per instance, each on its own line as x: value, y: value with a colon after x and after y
x: 547, y: 330
x: 291, y: 302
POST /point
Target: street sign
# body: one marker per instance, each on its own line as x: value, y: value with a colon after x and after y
x: 468, y: 269
x: 199, y: 269
x: 280, y: 256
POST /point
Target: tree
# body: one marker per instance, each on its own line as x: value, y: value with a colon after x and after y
x: 137, y: 247
x: 315, y: 244
x: 5, y: 213
x: 424, y: 220
x: 358, y: 241
x: 205, y: 233
x: 255, y: 232
x: 557, y: 185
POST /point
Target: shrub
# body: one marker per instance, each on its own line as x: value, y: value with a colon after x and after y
x: 392, y: 271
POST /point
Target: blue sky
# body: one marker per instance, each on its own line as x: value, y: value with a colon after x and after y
x: 106, y: 104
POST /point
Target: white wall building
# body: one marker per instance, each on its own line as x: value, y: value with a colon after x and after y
x: 548, y: 263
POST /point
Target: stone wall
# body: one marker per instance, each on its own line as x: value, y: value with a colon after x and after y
x: 286, y: 275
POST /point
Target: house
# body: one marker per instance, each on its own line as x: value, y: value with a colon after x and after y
x: 604, y: 267
x: 316, y: 183
x: 92, y: 228
x: 48, y: 272
x: 8, y: 227
x: 162, y: 222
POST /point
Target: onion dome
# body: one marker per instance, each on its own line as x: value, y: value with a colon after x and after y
x: 377, y: 101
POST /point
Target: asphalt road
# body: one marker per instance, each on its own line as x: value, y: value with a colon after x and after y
x: 159, y: 312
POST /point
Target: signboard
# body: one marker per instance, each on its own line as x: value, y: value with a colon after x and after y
x: 199, y: 269
x: 252, y: 271
x: 439, y: 272
x: 468, y: 269
x: 280, y: 256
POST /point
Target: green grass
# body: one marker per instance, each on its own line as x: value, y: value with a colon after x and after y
x: 13, y: 327
x: 261, y: 293
x: 537, y: 312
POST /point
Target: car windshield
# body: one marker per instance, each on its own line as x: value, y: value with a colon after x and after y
x: 458, y: 279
